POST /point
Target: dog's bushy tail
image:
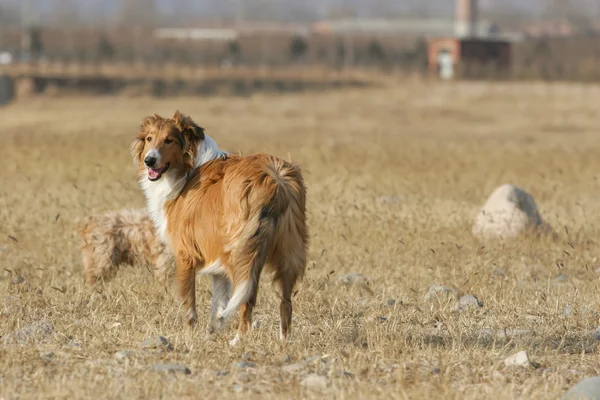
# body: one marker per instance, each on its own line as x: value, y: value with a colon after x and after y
x: 278, y: 226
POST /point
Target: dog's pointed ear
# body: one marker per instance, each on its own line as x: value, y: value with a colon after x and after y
x: 189, y: 128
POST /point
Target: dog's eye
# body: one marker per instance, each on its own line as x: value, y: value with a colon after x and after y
x: 149, y: 139
x: 168, y: 141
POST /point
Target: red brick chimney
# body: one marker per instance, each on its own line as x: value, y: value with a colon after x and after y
x: 466, y: 18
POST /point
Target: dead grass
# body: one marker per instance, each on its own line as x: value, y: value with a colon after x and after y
x: 394, y: 177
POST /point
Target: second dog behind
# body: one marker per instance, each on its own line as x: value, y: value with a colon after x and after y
x: 121, y: 237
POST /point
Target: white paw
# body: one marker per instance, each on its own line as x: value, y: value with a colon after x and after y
x: 235, y: 341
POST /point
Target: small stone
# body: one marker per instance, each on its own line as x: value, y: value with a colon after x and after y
x: 391, y: 302
x: 174, y: 368
x: 158, y: 342
x: 123, y: 355
x: 561, y: 278
x: 568, y: 311
x: 255, y: 324
x: 588, y: 388
x: 75, y: 345
x: 17, y: 280
x: 96, y: 296
x: 245, y: 364
x: 500, y: 273
x: 440, y: 292
x: 519, y: 359
x: 36, y: 332
x: 287, y: 358
x: 292, y: 368
x: 352, y: 279
x: 314, y: 381
x: 468, y: 301
x: 237, y: 388
x: 382, y: 318
x: 436, y: 371
x: 596, y: 333
x: 47, y: 356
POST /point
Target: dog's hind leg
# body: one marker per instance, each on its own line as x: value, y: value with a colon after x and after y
x: 221, y: 292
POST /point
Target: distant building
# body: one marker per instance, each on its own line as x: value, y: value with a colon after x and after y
x: 468, y: 50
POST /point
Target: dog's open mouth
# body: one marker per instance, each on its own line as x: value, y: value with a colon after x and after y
x: 155, y: 174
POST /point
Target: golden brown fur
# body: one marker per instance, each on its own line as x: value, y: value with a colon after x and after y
x: 223, y: 215
x: 121, y: 237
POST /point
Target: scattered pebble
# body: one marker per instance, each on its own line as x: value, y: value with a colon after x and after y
x: 568, y: 311
x: 314, y: 381
x: 158, y: 342
x: 245, y: 364
x: 47, y: 356
x: 440, y: 292
x: 468, y: 301
x: 352, y: 278
x: 174, y: 368
x: 596, y: 333
x: 292, y: 368
x: 255, y: 324
x: 17, y: 280
x: 382, y: 318
x: 500, y: 273
x: 355, y: 279
x: 391, y: 302
x: 36, y: 332
x: 561, y: 278
x: 519, y: 359
x: 123, y: 355
x: 588, y: 388
x: 237, y: 388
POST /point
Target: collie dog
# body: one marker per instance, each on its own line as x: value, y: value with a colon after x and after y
x: 223, y: 215
x: 121, y: 237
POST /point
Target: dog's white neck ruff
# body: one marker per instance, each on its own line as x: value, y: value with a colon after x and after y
x: 168, y: 187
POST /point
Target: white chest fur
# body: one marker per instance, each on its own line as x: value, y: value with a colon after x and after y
x: 157, y: 193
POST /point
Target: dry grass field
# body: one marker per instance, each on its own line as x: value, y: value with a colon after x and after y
x: 395, y: 175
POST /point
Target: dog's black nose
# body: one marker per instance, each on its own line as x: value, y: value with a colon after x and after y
x: 150, y: 161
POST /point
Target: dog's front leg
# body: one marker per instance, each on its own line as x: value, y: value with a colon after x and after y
x: 221, y: 292
x: 186, y: 279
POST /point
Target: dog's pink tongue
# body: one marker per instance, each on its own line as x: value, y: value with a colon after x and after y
x: 153, y: 173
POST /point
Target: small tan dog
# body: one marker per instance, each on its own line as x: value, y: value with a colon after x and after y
x: 121, y: 237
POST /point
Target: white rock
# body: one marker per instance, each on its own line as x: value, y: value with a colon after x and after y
x: 508, y: 213
x: 315, y: 381
x: 519, y: 359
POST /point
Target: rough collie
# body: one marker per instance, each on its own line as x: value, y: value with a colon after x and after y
x: 121, y: 237
x: 223, y: 215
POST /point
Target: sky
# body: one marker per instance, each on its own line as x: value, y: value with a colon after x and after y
x: 101, y: 10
